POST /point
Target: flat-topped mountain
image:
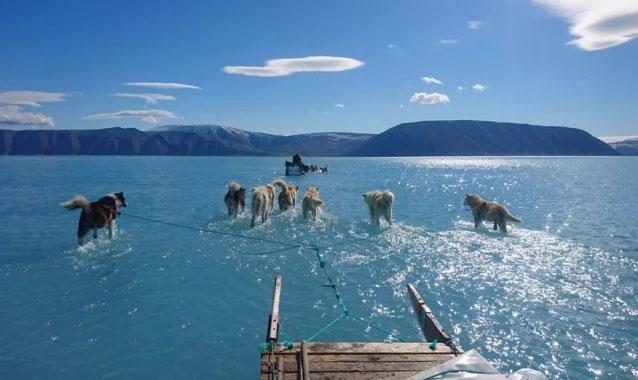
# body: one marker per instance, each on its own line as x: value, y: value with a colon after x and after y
x: 426, y: 138
x: 481, y: 138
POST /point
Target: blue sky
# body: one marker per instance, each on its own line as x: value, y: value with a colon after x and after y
x: 64, y: 62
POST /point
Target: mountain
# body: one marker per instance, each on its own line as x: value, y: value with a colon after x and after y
x: 426, y: 138
x: 196, y: 140
x: 481, y: 138
x: 626, y: 147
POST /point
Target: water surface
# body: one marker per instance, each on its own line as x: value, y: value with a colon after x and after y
x: 556, y: 294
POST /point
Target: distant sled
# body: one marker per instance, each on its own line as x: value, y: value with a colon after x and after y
x: 296, y: 167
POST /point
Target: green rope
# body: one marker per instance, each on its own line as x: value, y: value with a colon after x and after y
x: 264, y: 347
x: 326, y: 327
x: 344, y: 309
x: 267, y: 346
x: 377, y: 327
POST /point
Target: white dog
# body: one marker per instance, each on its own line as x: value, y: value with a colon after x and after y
x: 380, y: 204
x: 263, y: 197
x: 311, y: 203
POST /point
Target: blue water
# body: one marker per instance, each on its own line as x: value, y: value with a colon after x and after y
x: 556, y: 294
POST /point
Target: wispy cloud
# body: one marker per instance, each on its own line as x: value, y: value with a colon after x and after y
x: 474, y: 24
x: 429, y: 98
x: 31, y: 98
x: 164, y: 85
x: 431, y: 80
x: 448, y: 41
x: 479, y: 87
x: 340, y: 105
x: 391, y: 46
x: 597, y: 24
x: 460, y: 88
x: 148, y: 98
x: 12, y: 115
x: 148, y: 116
x: 286, y: 66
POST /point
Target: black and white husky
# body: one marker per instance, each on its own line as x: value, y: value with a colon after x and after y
x: 98, y: 214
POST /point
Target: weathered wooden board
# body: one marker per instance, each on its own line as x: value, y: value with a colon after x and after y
x: 430, y: 326
x: 356, y: 360
x: 273, y: 320
x: 368, y: 347
x: 382, y: 366
x: 367, y: 357
x: 304, y: 362
x: 400, y: 375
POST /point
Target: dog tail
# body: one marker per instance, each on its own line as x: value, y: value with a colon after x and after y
x: 511, y: 217
x: 233, y: 187
x: 387, y: 197
x: 78, y: 201
x: 282, y: 184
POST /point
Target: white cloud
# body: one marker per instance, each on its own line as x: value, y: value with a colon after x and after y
x: 400, y: 105
x: 148, y: 116
x: 474, y: 24
x: 391, y: 46
x: 148, y: 98
x: 31, y: 98
x: 460, y: 88
x: 448, y: 41
x: 286, y: 66
x: 429, y: 98
x: 479, y: 87
x: 13, y: 116
x: 340, y: 105
x: 597, y: 24
x: 431, y: 80
x: 164, y: 85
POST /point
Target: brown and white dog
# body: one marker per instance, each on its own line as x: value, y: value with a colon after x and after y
x: 288, y: 195
x: 235, y: 199
x: 263, y: 197
x: 490, y: 211
x: 380, y: 205
x: 96, y: 214
x: 311, y: 203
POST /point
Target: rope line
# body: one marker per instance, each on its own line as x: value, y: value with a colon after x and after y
x: 377, y: 327
x: 345, y: 313
x: 264, y: 253
x: 232, y: 234
x: 326, y: 327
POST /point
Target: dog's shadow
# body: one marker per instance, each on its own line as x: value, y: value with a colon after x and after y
x: 223, y: 220
x: 485, y: 230
x: 374, y: 230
